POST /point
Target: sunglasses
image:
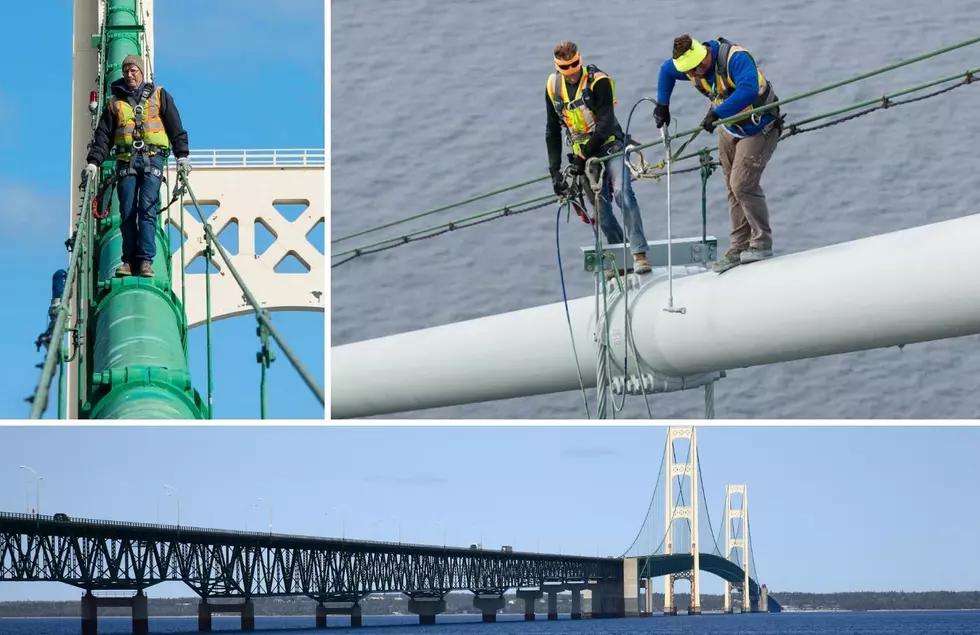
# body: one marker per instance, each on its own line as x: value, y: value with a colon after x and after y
x: 570, y: 65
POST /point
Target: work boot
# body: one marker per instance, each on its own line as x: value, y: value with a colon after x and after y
x: 146, y: 269
x: 124, y: 270
x: 640, y: 263
x: 755, y: 255
x: 731, y: 259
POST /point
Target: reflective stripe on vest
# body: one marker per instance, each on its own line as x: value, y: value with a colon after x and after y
x: 724, y: 86
x: 153, y: 130
x: 577, y: 118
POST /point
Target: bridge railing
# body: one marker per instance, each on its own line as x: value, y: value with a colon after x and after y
x: 92, y: 522
x: 237, y: 158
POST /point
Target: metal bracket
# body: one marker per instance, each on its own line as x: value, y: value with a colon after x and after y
x: 684, y: 251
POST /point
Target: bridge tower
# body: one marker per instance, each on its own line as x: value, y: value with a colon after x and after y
x: 679, y: 512
x: 245, y: 185
x: 731, y: 543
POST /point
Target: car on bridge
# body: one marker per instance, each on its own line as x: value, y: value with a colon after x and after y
x: 62, y: 517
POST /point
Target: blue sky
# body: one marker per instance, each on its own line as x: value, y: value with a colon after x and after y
x: 238, y: 53
x: 832, y: 508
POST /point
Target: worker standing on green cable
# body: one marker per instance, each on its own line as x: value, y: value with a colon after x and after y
x: 581, y: 101
x: 728, y: 75
x: 143, y: 124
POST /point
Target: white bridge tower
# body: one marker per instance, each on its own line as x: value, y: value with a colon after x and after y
x: 742, y: 543
x: 687, y: 511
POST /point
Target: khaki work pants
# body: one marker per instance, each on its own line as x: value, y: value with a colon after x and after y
x: 743, y: 160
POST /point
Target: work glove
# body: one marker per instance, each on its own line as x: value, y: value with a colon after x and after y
x: 578, y: 165
x: 661, y: 115
x: 89, y: 172
x: 708, y: 123
x: 558, y: 183
x: 184, y: 166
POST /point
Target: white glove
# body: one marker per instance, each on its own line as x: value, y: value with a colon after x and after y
x: 90, y: 172
x: 184, y: 165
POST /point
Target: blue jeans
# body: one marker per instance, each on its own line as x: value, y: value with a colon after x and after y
x: 139, y: 198
x: 625, y: 200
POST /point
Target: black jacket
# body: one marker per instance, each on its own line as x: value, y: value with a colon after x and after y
x: 105, y: 131
x: 601, y: 104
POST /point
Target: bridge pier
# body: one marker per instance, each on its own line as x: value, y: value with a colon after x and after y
x: 576, y: 588
x: 489, y: 605
x: 353, y: 610
x: 631, y: 587
x: 321, y: 615
x: 553, y: 602
x: 205, y: 610
x: 90, y: 611
x: 648, y: 597
x: 530, y: 597
x: 426, y: 608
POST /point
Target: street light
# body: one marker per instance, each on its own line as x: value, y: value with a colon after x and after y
x: 270, y: 511
x: 176, y: 495
x: 37, y: 488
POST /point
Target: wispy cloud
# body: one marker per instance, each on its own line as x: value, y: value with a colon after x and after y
x: 407, y: 481
x: 590, y: 453
x: 28, y: 213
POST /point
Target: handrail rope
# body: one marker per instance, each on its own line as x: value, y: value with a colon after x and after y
x: 208, y: 252
x: 261, y: 314
x: 696, y: 131
x: 792, y: 129
x: 39, y: 400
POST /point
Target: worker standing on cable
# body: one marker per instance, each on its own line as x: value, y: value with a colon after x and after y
x: 581, y: 101
x: 143, y: 124
x: 728, y: 75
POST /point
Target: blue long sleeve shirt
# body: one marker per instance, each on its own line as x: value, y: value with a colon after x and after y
x: 742, y: 71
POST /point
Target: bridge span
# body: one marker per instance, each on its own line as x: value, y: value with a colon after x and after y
x: 227, y: 569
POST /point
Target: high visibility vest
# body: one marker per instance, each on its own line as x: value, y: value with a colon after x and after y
x: 154, y: 135
x: 724, y: 86
x: 576, y: 114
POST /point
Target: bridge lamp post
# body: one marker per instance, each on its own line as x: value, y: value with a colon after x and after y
x: 37, y: 488
x: 270, y: 511
x: 176, y: 495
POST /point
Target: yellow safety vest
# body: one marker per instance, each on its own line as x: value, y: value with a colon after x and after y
x: 724, y: 86
x: 576, y: 116
x: 154, y: 135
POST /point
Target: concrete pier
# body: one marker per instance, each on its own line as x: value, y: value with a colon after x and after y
x: 489, y: 605
x: 530, y: 597
x: 138, y: 604
x: 206, y: 609
x: 427, y: 608
x: 323, y: 609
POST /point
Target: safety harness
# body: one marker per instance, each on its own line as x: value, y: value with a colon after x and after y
x: 139, y: 147
x: 720, y: 90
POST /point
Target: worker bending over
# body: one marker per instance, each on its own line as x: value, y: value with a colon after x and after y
x: 728, y: 75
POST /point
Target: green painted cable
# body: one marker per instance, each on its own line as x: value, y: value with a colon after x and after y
x: 207, y: 301
x: 57, y: 333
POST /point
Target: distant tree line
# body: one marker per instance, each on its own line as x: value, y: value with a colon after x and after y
x: 386, y: 604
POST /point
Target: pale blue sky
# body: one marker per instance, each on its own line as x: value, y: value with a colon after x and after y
x: 832, y: 509
x: 244, y: 55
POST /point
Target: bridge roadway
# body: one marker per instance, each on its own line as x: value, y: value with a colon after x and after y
x: 99, y: 555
